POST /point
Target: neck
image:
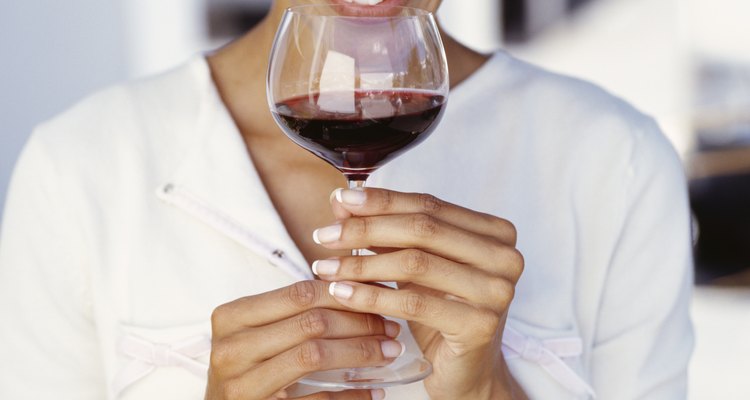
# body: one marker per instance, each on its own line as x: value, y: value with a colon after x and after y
x: 239, y: 71
x: 462, y: 61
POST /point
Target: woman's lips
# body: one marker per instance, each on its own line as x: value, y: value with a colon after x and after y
x: 369, y: 8
x: 365, y: 2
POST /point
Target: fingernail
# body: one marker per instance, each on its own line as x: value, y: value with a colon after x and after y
x: 392, y: 349
x: 392, y: 329
x: 334, y: 195
x: 327, y: 235
x: 377, y: 394
x: 351, y: 197
x: 340, y: 290
x: 326, y: 267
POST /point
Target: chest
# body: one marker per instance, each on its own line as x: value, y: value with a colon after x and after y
x: 299, y: 185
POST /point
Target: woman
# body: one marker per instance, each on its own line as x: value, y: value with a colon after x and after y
x: 155, y: 214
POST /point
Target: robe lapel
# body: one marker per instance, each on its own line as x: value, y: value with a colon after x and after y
x: 218, y: 173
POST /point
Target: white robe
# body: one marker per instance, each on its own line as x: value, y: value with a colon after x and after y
x: 138, y: 211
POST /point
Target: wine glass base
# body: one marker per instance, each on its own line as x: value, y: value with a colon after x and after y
x: 407, y: 369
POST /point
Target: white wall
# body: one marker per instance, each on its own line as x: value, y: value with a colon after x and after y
x: 719, y: 29
x: 53, y: 53
x: 163, y: 33
x: 636, y: 49
x: 477, y: 25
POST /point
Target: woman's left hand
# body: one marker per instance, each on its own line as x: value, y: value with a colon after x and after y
x: 456, y: 270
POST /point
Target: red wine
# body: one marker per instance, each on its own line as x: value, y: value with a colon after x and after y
x: 360, y: 131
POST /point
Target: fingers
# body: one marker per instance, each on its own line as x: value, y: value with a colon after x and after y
x: 419, y: 231
x: 265, y: 308
x: 472, y: 284
x: 373, y: 201
x: 266, y: 342
x: 438, y: 313
x: 311, y: 356
x: 392, y: 220
x: 235, y: 353
x: 375, y: 394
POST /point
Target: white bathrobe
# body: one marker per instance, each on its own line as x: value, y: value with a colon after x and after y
x: 133, y: 215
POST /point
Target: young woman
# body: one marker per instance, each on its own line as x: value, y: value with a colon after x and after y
x: 157, y: 239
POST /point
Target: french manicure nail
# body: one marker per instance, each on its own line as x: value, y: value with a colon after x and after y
x: 392, y: 329
x: 351, y: 197
x: 328, y: 234
x: 326, y: 267
x: 340, y: 290
x: 392, y: 349
x: 377, y: 394
x: 334, y: 195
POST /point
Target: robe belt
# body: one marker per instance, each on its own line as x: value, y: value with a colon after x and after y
x: 146, y: 356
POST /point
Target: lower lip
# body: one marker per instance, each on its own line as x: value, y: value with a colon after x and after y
x: 384, y: 9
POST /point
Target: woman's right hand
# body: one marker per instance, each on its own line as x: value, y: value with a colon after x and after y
x: 263, y: 344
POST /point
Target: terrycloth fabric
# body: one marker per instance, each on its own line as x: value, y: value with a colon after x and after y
x: 133, y: 215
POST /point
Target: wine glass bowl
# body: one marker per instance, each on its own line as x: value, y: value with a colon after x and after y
x: 357, y: 91
x: 357, y: 86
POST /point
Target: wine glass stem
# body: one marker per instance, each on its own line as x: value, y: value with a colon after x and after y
x: 357, y: 184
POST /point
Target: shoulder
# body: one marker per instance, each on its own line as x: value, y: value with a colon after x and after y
x: 175, y: 92
x: 125, y: 122
x: 588, y: 125
x: 566, y: 99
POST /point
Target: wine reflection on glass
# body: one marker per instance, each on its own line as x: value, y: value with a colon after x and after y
x: 357, y: 86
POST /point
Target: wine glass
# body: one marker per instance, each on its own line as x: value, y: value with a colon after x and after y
x: 357, y: 86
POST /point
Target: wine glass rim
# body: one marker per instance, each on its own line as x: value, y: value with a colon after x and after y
x: 299, y: 9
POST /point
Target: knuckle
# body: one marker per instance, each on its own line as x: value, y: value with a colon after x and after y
x: 414, y: 304
x: 367, y: 350
x: 505, y: 229
x: 224, y: 317
x: 313, y: 323
x: 509, y: 261
x: 423, y: 225
x: 374, y: 324
x: 488, y: 323
x: 311, y: 355
x: 385, y: 201
x: 429, y: 204
x: 502, y: 291
x: 507, y: 295
x: 517, y: 261
x: 217, y: 317
x: 510, y: 231
x: 357, y: 227
x: 415, y: 262
x: 302, y: 294
x: 356, y: 266
x: 372, y: 297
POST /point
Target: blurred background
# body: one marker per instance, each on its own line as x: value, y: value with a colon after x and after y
x: 686, y: 62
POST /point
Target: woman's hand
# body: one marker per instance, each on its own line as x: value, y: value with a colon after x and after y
x: 263, y: 344
x: 456, y: 270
